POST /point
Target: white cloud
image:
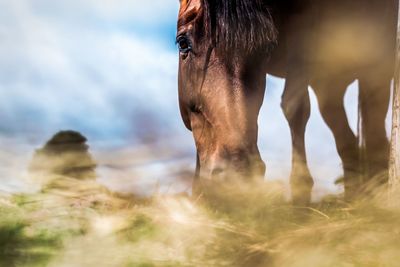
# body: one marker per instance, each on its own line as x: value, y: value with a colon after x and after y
x: 66, y: 73
x: 138, y: 9
x: 80, y: 65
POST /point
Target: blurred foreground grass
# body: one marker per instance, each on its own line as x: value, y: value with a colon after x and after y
x: 79, y: 223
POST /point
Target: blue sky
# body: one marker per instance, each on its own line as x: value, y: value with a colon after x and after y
x: 85, y: 65
x: 109, y: 69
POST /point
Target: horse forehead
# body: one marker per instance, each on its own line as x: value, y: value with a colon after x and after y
x: 189, y: 6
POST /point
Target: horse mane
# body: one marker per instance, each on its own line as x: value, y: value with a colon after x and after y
x: 239, y: 24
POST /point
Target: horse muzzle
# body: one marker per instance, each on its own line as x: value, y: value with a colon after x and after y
x: 235, y: 166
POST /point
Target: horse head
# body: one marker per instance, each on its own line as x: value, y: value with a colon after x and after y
x: 223, y: 47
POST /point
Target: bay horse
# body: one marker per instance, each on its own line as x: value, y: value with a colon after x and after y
x: 226, y: 48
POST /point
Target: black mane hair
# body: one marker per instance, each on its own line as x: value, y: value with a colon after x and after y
x: 239, y: 24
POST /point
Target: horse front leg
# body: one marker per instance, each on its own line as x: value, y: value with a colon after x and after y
x: 296, y: 107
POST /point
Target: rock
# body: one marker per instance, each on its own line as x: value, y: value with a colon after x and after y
x: 65, y: 154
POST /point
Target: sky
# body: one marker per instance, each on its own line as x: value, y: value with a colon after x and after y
x: 109, y: 70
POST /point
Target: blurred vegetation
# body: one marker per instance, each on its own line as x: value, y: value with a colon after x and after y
x: 75, y: 222
x: 22, y: 243
x: 236, y: 225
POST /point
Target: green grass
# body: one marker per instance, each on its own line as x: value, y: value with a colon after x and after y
x: 23, y: 245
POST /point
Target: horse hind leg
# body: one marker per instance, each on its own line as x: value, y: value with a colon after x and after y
x: 296, y: 107
x: 330, y: 95
x: 374, y: 97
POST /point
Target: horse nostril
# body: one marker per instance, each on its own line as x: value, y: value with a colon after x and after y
x: 217, y: 171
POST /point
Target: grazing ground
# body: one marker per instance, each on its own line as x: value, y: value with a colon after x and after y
x: 79, y: 223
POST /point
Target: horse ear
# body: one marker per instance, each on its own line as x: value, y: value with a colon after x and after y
x: 189, y: 6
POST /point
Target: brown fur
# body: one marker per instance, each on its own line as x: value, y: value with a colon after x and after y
x: 323, y: 44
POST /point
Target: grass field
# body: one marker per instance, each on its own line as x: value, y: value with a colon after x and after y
x: 79, y: 223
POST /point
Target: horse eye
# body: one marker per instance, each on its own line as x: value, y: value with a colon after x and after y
x: 184, y: 44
